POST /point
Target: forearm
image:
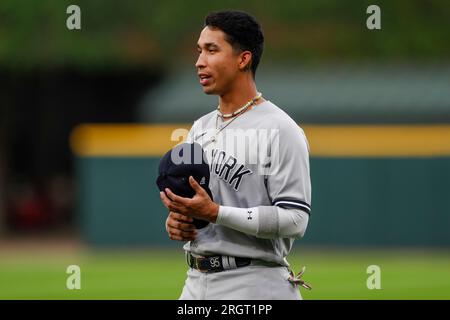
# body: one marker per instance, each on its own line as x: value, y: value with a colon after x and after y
x: 265, y: 221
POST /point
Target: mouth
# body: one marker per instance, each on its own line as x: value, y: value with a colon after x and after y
x: 205, y: 79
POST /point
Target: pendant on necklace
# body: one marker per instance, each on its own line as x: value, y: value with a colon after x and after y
x: 213, y: 139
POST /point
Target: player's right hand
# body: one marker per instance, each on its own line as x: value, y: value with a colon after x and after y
x: 180, y: 227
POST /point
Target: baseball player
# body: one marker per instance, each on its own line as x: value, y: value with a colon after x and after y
x: 260, y: 182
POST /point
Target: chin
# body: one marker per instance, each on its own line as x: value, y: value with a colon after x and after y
x: 207, y: 90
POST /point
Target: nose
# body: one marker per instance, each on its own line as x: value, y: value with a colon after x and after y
x: 200, y: 61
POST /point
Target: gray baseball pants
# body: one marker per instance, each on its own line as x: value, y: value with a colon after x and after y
x: 253, y: 282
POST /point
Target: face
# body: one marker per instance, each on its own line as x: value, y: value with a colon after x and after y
x: 218, y: 64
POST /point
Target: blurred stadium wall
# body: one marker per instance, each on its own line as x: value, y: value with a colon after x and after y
x: 374, y: 104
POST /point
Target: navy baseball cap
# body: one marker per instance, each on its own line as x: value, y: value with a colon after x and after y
x: 175, y: 167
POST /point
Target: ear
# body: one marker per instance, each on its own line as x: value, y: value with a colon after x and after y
x: 245, y: 60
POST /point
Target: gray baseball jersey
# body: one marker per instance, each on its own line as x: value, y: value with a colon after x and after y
x: 260, y: 158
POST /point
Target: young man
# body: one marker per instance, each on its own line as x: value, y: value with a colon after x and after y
x: 260, y: 206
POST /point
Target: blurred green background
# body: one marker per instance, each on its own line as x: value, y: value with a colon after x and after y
x: 130, y: 69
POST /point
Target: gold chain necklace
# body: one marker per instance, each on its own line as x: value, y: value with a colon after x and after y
x: 240, y: 110
x: 237, y: 112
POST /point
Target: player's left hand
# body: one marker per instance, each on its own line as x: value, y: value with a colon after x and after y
x: 200, y: 206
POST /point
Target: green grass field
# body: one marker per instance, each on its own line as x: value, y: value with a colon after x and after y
x: 158, y: 274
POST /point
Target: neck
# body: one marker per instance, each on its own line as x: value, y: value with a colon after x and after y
x: 238, y: 96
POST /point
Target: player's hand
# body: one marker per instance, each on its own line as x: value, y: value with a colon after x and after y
x: 200, y: 206
x: 180, y: 227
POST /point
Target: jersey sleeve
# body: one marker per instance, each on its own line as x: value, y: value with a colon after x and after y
x: 288, y: 181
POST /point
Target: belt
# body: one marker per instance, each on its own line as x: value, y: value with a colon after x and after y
x: 216, y: 263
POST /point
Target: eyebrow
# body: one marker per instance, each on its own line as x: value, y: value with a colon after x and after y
x: 208, y: 45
